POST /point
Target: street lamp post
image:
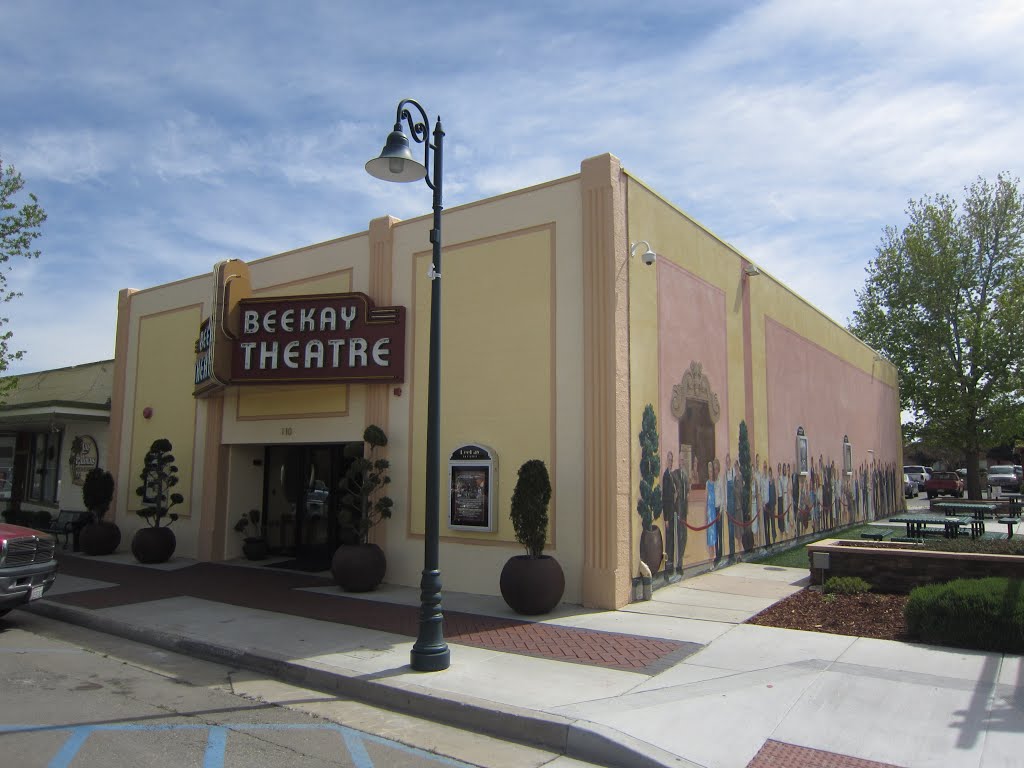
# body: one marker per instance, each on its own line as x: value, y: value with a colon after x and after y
x: 430, y: 652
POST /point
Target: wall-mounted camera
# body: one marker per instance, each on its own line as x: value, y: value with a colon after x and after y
x: 648, y: 256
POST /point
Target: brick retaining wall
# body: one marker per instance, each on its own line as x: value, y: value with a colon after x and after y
x: 901, y: 568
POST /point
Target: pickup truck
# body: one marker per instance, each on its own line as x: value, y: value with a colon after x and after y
x: 27, y: 565
x: 944, y: 483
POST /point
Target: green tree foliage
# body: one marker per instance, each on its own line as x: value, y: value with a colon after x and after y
x: 649, y: 503
x: 745, y: 470
x: 159, y: 474
x: 363, y: 506
x: 19, y: 226
x: 943, y: 300
x: 530, y: 506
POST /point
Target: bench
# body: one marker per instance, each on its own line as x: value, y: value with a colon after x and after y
x: 1009, y: 522
x: 879, y: 535
x: 909, y: 539
x: 68, y: 524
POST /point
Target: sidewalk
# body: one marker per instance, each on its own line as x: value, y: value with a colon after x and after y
x: 675, y: 681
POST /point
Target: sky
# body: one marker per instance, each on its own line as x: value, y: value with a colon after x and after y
x: 163, y: 137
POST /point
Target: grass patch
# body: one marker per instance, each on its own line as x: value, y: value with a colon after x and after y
x: 796, y: 556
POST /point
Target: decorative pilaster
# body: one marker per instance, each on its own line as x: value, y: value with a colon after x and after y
x: 606, y: 472
x: 118, y: 389
x: 378, y: 396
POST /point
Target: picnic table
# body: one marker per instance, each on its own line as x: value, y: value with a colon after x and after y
x: 916, y: 524
x: 1015, y: 503
x: 977, y: 511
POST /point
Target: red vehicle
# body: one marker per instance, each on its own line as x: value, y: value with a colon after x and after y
x: 944, y: 483
x: 27, y: 565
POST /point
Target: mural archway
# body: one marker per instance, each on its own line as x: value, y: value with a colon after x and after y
x: 696, y: 409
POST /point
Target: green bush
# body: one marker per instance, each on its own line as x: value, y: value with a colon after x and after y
x: 846, y: 585
x: 986, y: 614
x: 530, y: 500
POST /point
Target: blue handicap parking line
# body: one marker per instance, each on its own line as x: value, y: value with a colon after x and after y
x: 217, y: 739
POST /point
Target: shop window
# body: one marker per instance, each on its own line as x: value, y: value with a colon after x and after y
x: 44, y: 467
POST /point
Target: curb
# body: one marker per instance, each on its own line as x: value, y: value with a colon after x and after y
x: 578, y: 739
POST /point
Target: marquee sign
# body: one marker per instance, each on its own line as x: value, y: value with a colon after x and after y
x: 319, y: 338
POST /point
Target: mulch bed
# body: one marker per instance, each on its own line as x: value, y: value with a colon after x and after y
x: 868, y: 615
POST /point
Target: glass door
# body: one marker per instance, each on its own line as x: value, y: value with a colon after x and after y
x: 303, y: 502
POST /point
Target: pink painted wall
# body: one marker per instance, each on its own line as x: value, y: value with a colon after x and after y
x: 809, y: 386
x: 691, y: 327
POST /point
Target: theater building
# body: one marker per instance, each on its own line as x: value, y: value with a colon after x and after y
x: 557, y: 344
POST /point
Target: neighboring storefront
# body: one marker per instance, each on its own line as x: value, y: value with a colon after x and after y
x: 555, y: 343
x: 53, y: 430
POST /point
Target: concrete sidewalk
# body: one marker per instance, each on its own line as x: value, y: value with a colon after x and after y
x: 675, y: 681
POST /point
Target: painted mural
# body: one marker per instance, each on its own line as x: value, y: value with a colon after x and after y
x: 712, y: 507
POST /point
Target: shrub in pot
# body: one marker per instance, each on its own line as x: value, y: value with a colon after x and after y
x: 254, y: 545
x: 648, y: 505
x: 99, y: 536
x: 358, y: 565
x: 532, y: 583
x: 156, y: 543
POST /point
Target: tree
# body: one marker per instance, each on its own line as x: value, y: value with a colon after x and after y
x: 159, y: 474
x: 649, y: 503
x: 943, y: 300
x: 530, y: 501
x: 746, y: 473
x: 17, y: 231
x: 363, y: 506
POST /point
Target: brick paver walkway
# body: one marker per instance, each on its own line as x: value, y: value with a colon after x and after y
x: 281, y: 592
x: 778, y: 754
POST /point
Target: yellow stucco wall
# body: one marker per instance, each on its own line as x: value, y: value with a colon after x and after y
x: 525, y: 247
x: 497, y: 358
x: 163, y: 381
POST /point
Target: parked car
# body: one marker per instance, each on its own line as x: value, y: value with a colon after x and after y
x: 1003, y: 477
x: 27, y: 565
x: 909, y: 487
x: 917, y: 474
x: 944, y: 483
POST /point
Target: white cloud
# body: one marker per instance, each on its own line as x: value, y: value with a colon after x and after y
x: 168, y: 138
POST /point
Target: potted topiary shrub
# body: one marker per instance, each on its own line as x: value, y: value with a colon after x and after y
x: 99, y: 537
x: 532, y: 583
x: 254, y: 545
x: 648, y: 504
x: 156, y: 543
x: 358, y: 565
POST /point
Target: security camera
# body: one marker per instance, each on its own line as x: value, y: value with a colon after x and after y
x: 648, y: 257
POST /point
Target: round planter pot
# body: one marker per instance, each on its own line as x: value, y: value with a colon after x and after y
x: 255, y: 548
x: 532, y: 585
x: 100, y: 538
x: 359, y: 567
x: 153, y: 545
x: 652, y: 548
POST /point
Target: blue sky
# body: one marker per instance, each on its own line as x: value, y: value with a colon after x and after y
x: 163, y: 137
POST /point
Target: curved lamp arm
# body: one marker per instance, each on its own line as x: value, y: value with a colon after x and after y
x: 419, y: 130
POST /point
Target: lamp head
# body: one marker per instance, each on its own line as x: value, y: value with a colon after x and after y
x: 648, y: 257
x: 396, y: 162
